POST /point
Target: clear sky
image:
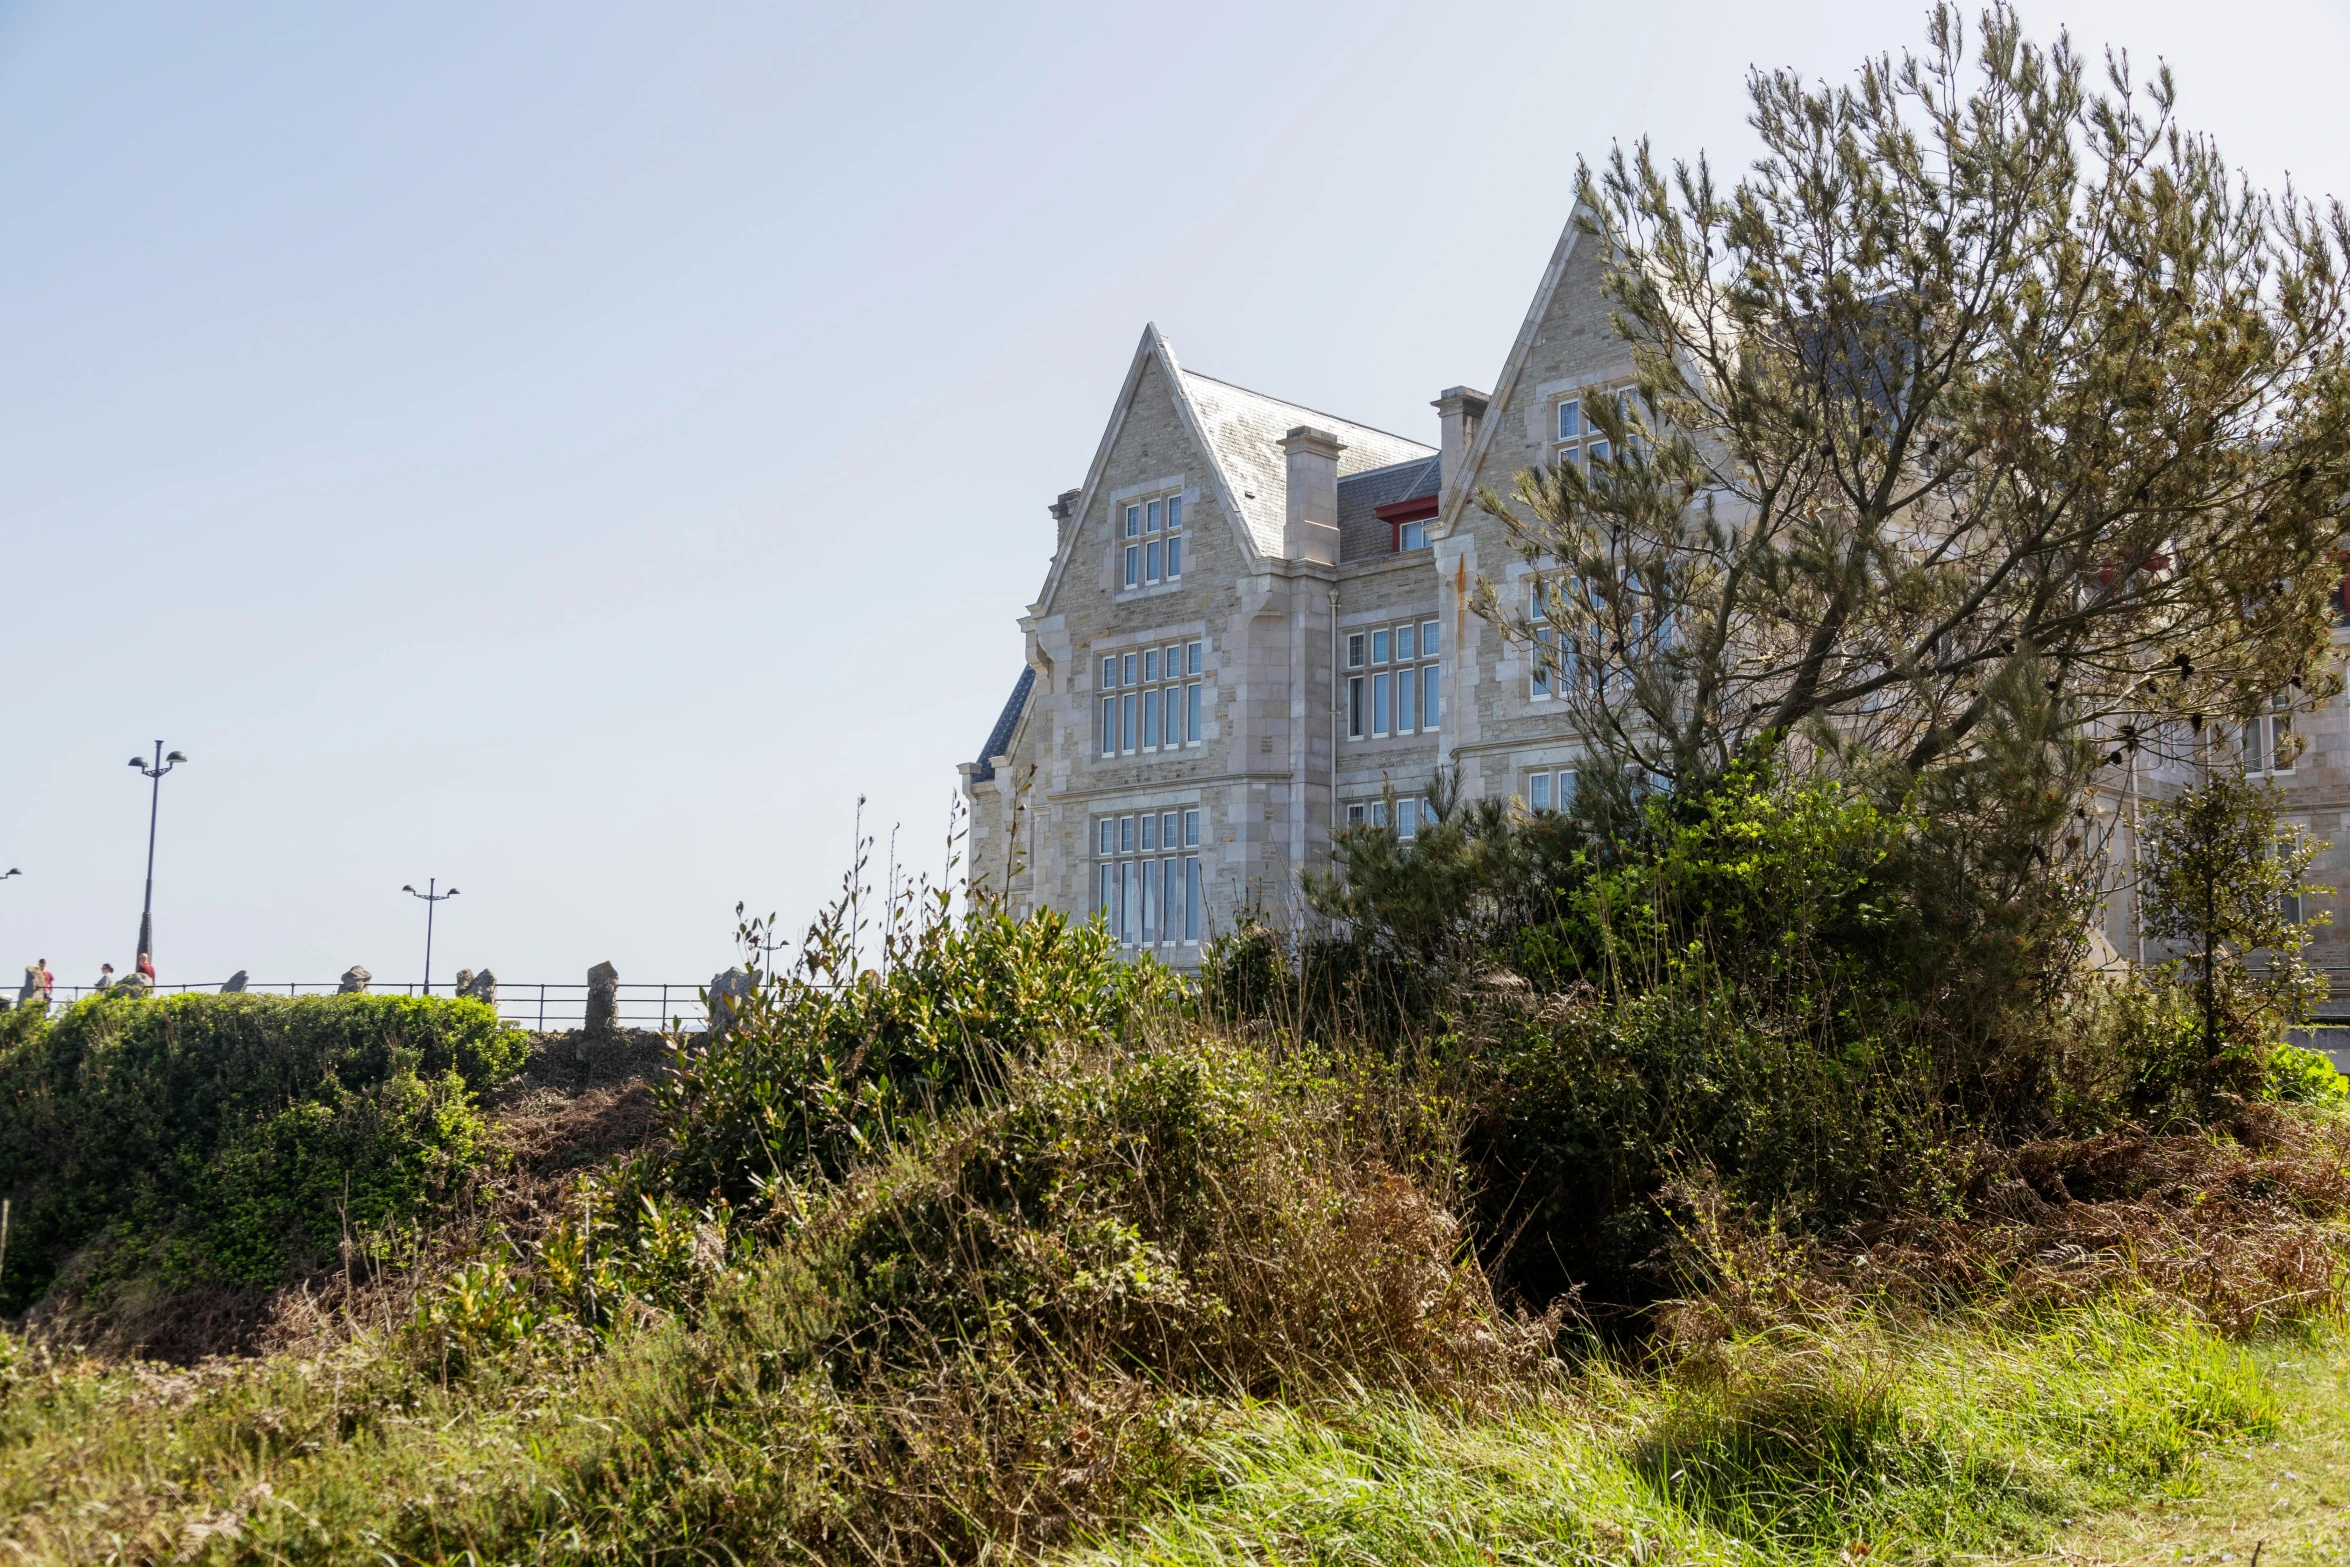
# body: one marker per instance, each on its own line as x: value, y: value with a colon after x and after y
x: 573, y: 450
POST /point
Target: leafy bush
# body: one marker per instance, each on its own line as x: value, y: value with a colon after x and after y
x: 832, y: 1063
x: 229, y: 1139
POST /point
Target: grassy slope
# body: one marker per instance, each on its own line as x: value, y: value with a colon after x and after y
x: 2289, y: 1497
x: 1942, y: 1445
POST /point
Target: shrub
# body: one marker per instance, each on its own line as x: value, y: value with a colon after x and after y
x: 829, y: 1064
x: 230, y: 1139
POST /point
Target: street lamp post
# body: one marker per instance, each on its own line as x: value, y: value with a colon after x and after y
x: 163, y: 764
x: 430, y: 896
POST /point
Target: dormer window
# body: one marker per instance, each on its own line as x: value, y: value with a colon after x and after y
x: 1408, y: 522
x: 1151, y: 535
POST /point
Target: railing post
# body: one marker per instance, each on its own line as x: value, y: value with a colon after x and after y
x: 542, y: 1006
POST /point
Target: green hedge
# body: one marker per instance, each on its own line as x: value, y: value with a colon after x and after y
x: 231, y: 1139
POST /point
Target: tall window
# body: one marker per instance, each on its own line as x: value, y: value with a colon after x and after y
x: 1147, y: 877
x: 1552, y: 656
x: 1391, y: 680
x: 1577, y: 439
x: 1150, y: 699
x: 1151, y: 540
x: 2268, y: 740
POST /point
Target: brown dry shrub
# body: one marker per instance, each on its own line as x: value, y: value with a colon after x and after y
x: 2251, y: 1229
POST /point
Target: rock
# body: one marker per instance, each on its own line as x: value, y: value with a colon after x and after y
x: 464, y: 982
x: 354, y: 982
x: 728, y: 991
x: 33, y: 989
x: 133, y: 985
x: 234, y: 985
x: 482, y: 987
x: 603, y: 999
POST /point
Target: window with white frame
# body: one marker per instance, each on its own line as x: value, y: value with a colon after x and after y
x: 1411, y: 814
x: 1549, y: 789
x: 2268, y: 740
x: 1392, y: 681
x: 1576, y: 440
x: 1147, y: 876
x: 1150, y: 698
x: 1150, y: 541
x: 1550, y: 661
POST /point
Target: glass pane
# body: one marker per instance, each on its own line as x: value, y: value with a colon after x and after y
x: 1540, y: 654
x: 1407, y: 690
x: 1380, y: 700
x: 1150, y: 720
x: 2253, y: 760
x: 1354, y: 815
x: 1150, y: 666
x: 1570, y: 419
x: 1133, y: 521
x: 1414, y: 535
x: 1174, y: 660
x: 1133, y: 899
x: 1170, y: 898
x: 1172, y: 701
x: 1126, y: 670
x: 1126, y: 722
x: 1599, y: 451
x: 1125, y: 835
x: 1133, y: 565
x: 1150, y: 518
x: 1407, y: 642
x: 1175, y: 557
x: 1170, y: 824
x: 1566, y: 788
x: 1354, y: 651
x: 1174, y: 512
x: 1354, y: 708
x: 1107, y: 901
x: 1430, y: 713
x: 1427, y: 639
x: 1378, y: 813
x: 2280, y: 742
x: 1191, y: 714
x: 1192, y: 656
x: 1538, y: 791
x: 1150, y: 831
x: 1191, y: 829
x: 1193, y: 909
x: 1379, y: 647
x: 1150, y: 561
x: 1407, y: 818
x: 1108, y: 836
x: 1109, y: 673
x: 1109, y: 726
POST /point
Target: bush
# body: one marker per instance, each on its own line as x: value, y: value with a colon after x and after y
x: 822, y: 1067
x: 231, y: 1140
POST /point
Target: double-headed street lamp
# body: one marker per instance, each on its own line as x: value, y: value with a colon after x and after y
x: 430, y: 897
x: 163, y: 764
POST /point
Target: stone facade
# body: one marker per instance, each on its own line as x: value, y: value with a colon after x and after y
x: 1302, y: 533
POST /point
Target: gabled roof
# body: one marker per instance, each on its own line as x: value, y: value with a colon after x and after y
x: 1461, y: 489
x: 1238, y: 433
x: 1246, y: 429
x: 999, y: 739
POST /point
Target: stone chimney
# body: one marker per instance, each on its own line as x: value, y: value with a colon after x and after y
x: 1311, y: 530
x: 1064, y: 513
x: 1459, y: 410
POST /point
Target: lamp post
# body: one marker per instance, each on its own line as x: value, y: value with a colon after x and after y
x: 163, y: 764
x: 430, y: 896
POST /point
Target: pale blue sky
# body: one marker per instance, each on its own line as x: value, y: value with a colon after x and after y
x: 574, y: 450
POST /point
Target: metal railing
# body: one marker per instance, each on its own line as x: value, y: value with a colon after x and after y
x: 539, y: 1007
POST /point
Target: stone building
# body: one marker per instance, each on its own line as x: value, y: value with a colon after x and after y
x: 1256, y: 630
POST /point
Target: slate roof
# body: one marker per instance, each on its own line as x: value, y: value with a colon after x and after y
x: 1246, y: 429
x: 999, y: 739
x: 1361, y: 535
